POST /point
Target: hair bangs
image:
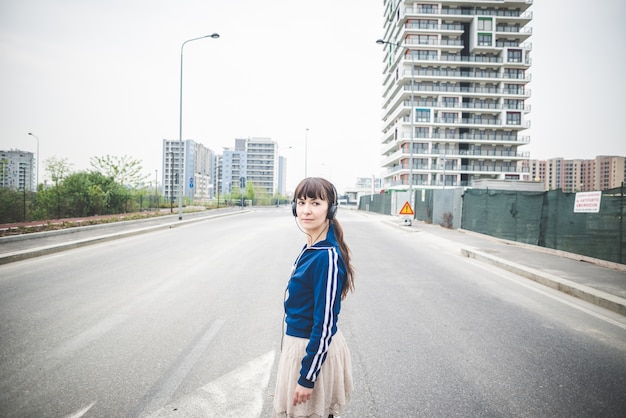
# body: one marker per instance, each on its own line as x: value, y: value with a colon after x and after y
x: 312, y: 188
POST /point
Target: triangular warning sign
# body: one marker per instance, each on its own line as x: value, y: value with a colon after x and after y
x: 406, y: 209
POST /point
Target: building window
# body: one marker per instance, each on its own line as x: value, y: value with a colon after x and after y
x: 422, y: 115
x: 513, y: 118
x: 513, y: 104
x: 424, y: 24
x: 426, y: 39
x: 449, y: 101
x: 449, y: 117
x: 514, y: 73
x: 485, y: 23
x: 513, y: 89
x: 484, y: 39
x: 421, y: 132
x: 514, y: 55
x: 426, y: 8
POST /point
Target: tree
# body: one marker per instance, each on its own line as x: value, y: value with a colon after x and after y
x: 124, y: 170
x: 249, y: 192
x: 58, y: 168
x: 92, y: 193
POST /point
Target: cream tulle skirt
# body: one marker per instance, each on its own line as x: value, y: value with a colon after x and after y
x: 333, y: 386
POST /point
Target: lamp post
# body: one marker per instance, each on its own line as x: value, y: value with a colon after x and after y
x: 37, y: 138
x: 411, y: 115
x: 181, y: 178
x: 306, y: 159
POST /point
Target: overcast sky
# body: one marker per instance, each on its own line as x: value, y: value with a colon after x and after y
x: 92, y: 78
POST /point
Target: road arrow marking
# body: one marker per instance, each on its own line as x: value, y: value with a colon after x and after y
x: 238, y: 394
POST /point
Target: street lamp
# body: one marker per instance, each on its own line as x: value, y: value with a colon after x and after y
x: 181, y: 178
x: 37, y: 138
x: 411, y: 115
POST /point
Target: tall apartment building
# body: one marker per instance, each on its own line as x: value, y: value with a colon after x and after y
x: 263, y: 164
x: 203, y: 157
x: 454, y: 91
x: 234, y: 167
x: 17, y: 170
x: 578, y: 175
x: 197, y: 167
x: 254, y: 160
x: 610, y: 172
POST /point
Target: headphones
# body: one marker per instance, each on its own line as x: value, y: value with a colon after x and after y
x: 332, y: 209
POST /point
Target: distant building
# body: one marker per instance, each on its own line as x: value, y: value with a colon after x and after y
x: 234, y: 168
x: 17, y: 170
x: 197, y: 169
x: 364, y: 186
x: 455, y: 77
x: 207, y: 174
x: 262, y: 165
x: 579, y: 175
x: 282, y: 176
x: 201, y: 174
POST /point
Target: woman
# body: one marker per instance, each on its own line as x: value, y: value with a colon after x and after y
x: 315, y: 371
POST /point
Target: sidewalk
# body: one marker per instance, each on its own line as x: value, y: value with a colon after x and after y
x: 600, y: 282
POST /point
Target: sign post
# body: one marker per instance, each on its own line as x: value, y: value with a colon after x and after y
x: 406, y: 213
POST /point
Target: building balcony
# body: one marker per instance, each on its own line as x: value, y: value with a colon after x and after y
x: 454, y: 155
x: 516, y: 29
x: 428, y: 92
x: 486, y: 169
x: 402, y: 111
x: 514, y: 44
x: 464, y: 13
x: 427, y: 27
x: 478, y: 74
x: 483, y: 60
x: 480, y: 122
x: 475, y: 138
x: 453, y: 44
x: 518, y: 91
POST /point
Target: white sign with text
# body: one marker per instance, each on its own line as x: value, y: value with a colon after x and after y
x: 587, y: 202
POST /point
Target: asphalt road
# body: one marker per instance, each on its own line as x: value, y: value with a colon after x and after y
x: 187, y: 322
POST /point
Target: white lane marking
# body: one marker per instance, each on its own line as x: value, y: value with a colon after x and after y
x: 81, y: 412
x: 178, y: 375
x: 238, y: 394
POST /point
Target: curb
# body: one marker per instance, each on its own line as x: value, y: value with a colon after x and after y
x: 560, y: 253
x: 55, y: 248
x: 586, y: 293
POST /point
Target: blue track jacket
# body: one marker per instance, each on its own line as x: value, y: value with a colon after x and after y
x: 313, y: 302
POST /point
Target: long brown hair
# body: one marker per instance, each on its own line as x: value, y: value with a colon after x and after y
x: 319, y: 188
